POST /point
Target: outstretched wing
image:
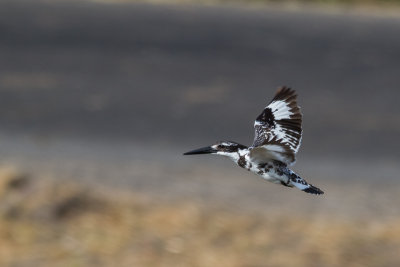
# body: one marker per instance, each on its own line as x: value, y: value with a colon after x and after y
x: 278, y: 129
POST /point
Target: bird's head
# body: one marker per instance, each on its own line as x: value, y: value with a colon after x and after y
x: 224, y: 148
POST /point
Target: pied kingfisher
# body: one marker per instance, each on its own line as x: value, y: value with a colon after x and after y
x: 276, y: 142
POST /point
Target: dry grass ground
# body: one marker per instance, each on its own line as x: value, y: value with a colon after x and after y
x: 48, y: 223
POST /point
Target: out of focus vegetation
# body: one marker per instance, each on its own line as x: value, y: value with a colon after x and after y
x: 47, y: 223
x: 351, y: 3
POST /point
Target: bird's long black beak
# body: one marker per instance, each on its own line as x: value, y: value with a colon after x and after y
x: 203, y: 150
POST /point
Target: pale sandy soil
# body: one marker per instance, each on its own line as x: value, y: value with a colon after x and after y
x: 51, y: 222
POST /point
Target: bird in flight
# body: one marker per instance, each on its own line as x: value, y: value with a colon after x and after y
x: 276, y: 142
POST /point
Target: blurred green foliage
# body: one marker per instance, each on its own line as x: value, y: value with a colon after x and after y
x: 356, y: 3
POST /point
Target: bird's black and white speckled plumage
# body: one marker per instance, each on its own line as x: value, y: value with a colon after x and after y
x: 278, y: 128
x: 277, y: 139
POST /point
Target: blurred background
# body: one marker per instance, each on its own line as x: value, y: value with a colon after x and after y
x: 99, y: 99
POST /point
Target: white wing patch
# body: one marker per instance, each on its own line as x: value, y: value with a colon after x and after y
x: 275, y: 148
x: 280, y: 110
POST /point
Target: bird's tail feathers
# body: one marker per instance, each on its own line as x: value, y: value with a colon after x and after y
x: 301, y: 184
x: 313, y: 190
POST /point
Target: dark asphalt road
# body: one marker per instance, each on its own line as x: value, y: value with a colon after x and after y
x: 193, y: 75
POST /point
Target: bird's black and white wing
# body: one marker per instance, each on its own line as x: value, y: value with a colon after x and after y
x: 278, y: 129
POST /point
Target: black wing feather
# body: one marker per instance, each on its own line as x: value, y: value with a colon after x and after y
x: 278, y: 129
